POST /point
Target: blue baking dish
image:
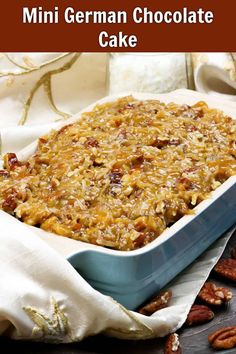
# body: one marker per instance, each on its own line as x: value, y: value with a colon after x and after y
x: 130, y: 277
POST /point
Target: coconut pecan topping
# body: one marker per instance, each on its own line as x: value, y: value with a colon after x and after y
x: 139, y: 165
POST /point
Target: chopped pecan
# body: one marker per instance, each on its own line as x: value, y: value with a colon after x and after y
x: 172, y: 345
x: 185, y: 183
x: 233, y: 253
x: 88, y: 203
x: 199, y: 112
x: 9, y: 203
x: 65, y: 127
x: 4, y: 173
x: 193, y: 112
x: 114, y: 189
x: 91, y: 142
x: 174, y: 142
x: 156, y: 303
x: 228, y: 119
x: 184, y: 107
x: 220, y: 175
x: 232, y: 144
x: 232, y: 148
x: 11, y: 161
x: 115, y: 177
x: 144, y: 238
x: 190, y: 128
x: 127, y: 106
x: 161, y: 143
x: 141, y: 223
x: 130, y: 106
x: 139, y: 242
x: 97, y: 162
x: 223, y: 338
x: 154, y: 111
x: 117, y: 167
x: 77, y: 226
x: 189, y: 113
x: 42, y: 141
x: 199, y: 314
x: 226, y: 268
x: 122, y: 134
x: 191, y: 169
x: 137, y: 163
x: 213, y: 295
x: 117, y: 122
x: 55, y: 183
x: 62, y: 130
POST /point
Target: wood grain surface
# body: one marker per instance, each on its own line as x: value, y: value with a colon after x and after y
x: 193, y: 340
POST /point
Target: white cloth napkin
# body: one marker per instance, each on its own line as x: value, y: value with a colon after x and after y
x: 42, y: 297
x: 52, y: 86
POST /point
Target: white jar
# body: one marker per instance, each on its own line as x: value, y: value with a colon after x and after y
x: 148, y: 72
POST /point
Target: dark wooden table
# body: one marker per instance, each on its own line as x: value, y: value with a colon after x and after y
x: 193, y: 340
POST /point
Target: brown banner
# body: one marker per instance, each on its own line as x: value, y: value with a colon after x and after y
x: 212, y: 32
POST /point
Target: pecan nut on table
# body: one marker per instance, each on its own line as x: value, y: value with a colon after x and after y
x: 213, y: 295
x: 156, y: 303
x: 199, y: 314
x: 224, y: 338
x: 226, y: 268
x: 210, y: 294
x: 172, y: 345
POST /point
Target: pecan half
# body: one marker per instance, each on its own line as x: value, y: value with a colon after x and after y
x: 224, y: 338
x: 156, y: 303
x: 172, y: 345
x: 199, y: 314
x: 213, y: 295
x: 233, y: 253
x: 226, y: 268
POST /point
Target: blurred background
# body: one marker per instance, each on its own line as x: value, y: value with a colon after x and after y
x: 41, y: 88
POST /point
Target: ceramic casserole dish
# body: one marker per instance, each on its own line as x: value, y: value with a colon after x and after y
x: 130, y: 277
